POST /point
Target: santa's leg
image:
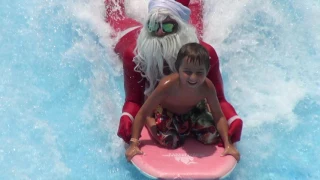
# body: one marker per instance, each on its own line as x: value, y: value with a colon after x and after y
x: 196, y: 8
x: 116, y: 16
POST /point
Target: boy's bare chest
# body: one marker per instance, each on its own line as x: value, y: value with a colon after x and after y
x: 184, y: 99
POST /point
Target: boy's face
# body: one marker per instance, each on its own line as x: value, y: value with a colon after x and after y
x: 192, y: 73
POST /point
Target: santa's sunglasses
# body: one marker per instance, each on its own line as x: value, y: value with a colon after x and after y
x: 167, y: 27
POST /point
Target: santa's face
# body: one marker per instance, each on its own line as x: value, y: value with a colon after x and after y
x: 166, y: 27
x: 162, y: 37
x: 158, y: 45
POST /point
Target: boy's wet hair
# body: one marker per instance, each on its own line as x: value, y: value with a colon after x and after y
x: 195, y: 53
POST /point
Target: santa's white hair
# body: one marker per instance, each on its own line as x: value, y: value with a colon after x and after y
x: 152, y: 51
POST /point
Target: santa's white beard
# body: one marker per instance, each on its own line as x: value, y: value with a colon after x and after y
x: 152, y: 51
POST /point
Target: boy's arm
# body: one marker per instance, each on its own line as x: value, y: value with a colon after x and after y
x: 221, y: 122
x: 147, y: 108
x: 234, y: 121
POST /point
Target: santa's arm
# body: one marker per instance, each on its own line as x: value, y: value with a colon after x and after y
x: 234, y: 121
x: 134, y: 94
x: 134, y: 84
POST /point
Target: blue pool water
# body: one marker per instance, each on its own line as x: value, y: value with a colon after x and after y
x: 61, y: 90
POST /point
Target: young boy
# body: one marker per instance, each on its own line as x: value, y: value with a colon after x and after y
x: 179, y: 108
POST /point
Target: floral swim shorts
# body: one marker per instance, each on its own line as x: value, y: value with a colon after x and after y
x: 172, y: 129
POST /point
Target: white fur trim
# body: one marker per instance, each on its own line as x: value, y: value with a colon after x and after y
x: 121, y: 34
x: 233, y: 118
x: 127, y: 114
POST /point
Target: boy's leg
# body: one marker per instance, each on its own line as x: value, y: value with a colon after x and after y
x: 203, y: 125
x: 152, y: 128
x: 182, y: 124
x: 166, y: 134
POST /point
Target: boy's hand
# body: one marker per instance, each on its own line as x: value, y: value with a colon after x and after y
x: 231, y: 150
x: 132, y: 151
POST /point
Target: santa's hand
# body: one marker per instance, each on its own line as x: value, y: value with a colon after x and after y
x: 231, y: 150
x: 132, y: 151
x: 235, y: 130
x: 124, y: 129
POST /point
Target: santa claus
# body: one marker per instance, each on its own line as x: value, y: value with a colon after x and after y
x: 149, y: 51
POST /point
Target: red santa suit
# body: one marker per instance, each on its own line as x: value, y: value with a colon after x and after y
x: 134, y: 84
